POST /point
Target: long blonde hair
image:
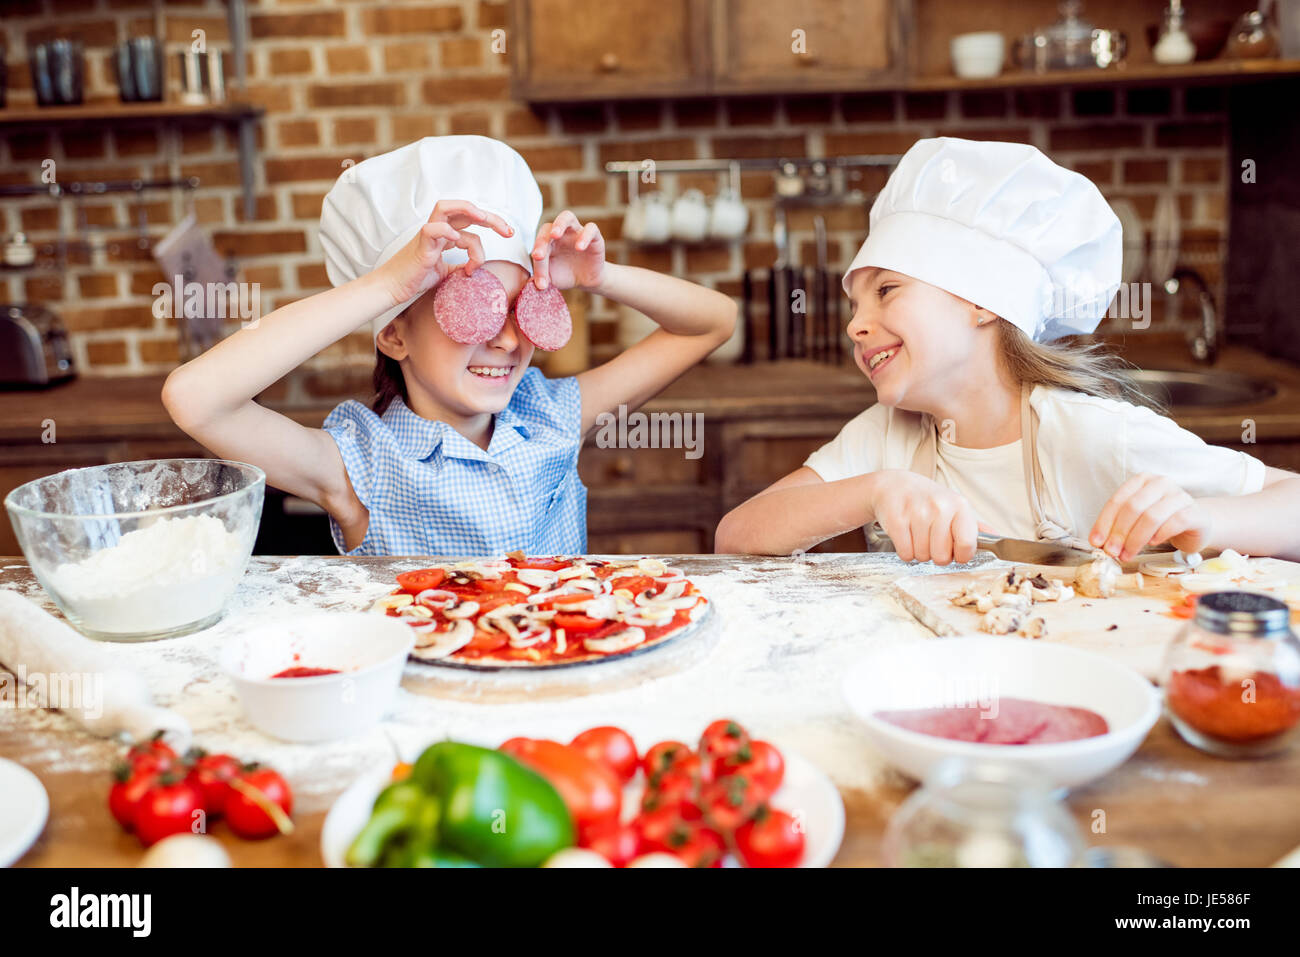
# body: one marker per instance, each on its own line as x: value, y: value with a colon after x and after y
x: 1087, y: 367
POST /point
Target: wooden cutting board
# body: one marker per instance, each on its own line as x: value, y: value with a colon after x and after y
x: 1143, y: 625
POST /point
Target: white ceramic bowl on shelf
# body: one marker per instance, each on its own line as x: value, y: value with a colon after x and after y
x: 977, y: 56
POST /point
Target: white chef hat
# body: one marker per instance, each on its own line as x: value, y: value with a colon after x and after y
x: 1000, y: 225
x: 376, y: 207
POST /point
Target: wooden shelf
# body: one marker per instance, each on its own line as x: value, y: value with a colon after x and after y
x: 244, y: 116
x: 1132, y: 74
x: 111, y: 111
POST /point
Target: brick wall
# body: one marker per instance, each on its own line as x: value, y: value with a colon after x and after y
x: 346, y: 80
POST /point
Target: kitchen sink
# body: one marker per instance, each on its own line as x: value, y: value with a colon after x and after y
x: 1182, y: 388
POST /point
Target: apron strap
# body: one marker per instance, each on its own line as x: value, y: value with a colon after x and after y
x: 925, y: 461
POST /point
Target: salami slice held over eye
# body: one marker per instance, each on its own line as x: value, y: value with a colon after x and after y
x: 543, y: 316
x: 471, y: 308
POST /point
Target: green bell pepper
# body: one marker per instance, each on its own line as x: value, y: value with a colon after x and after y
x: 404, y: 814
x: 494, y: 810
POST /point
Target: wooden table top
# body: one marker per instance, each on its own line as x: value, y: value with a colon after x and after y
x: 767, y: 663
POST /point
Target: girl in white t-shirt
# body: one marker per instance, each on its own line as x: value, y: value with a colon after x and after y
x: 979, y: 256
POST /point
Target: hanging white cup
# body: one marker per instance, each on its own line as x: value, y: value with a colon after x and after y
x: 729, y: 217
x: 690, y: 219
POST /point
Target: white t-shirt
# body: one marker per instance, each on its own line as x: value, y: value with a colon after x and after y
x: 1087, y: 448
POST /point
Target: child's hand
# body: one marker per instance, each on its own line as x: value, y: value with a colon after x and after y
x: 418, y: 266
x: 568, y: 254
x: 1147, y: 510
x: 925, y: 520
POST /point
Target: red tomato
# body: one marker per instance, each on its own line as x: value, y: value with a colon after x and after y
x: 169, y: 807
x: 251, y: 810
x: 728, y: 803
x: 673, y: 790
x: 590, y: 790
x: 488, y: 602
x: 759, y: 763
x: 491, y: 586
x: 612, y: 747
x: 700, y: 847
x: 618, y: 845
x: 211, y: 774
x: 722, y: 739
x: 578, y: 623
x: 152, y: 755
x: 663, y: 756
x: 773, y: 839
x: 656, y: 829
x: 636, y: 584
x: 417, y: 581
x: 487, y: 640
x: 124, y: 796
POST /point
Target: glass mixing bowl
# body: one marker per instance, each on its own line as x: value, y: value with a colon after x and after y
x: 135, y: 551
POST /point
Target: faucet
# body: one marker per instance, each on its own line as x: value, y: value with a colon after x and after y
x: 1205, y: 346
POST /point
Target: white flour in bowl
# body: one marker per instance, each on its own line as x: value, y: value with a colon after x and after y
x: 158, y: 577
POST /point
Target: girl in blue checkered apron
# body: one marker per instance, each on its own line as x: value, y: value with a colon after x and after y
x: 464, y: 449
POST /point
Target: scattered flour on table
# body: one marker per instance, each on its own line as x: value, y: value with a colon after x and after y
x: 1181, y: 777
x: 154, y: 578
x: 786, y: 632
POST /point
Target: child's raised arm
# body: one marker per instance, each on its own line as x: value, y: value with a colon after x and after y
x: 693, y: 320
x: 211, y: 396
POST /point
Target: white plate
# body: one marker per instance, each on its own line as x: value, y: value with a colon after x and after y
x: 937, y: 673
x: 805, y: 792
x: 24, y: 808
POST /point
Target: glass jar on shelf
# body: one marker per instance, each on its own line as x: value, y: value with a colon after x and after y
x: 1232, y: 676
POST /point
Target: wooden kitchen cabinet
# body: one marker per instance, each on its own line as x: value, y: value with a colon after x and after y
x: 574, y: 50
x: 578, y: 50
x: 759, y: 46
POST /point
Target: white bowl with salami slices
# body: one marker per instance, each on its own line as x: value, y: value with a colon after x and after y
x: 1070, y: 715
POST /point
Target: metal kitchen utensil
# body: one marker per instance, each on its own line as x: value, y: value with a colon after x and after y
x: 837, y: 324
x: 1024, y: 552
x: 147, y: 68
x: 58, y: 70
x: 194, y: 76
x: 822, y: 315
x: 747, y: 316
x: 138, y: 66
x: 798, y: 313
x: 778, y: 291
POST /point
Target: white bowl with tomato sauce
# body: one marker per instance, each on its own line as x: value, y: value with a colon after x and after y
x: 977, y: 672
x: 318, y: 676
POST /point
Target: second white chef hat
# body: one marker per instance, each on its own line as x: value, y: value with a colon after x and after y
x: 376, y: 207
x: 1000, y: 225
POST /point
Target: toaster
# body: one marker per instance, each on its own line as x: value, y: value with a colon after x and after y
x: 34, y: 348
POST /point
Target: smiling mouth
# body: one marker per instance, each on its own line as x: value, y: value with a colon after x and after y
x: 880, y: 358
x: 491, y: 372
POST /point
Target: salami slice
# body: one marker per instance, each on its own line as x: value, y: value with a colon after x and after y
x: 471, y: 308
x: 543, y: 316
x: 1017, y: 721
x: 956, y: 724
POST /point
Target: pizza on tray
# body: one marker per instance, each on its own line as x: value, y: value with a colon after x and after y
x: 521, y: 612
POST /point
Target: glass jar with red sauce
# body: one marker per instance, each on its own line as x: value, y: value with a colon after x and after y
x: 1232, y: 676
